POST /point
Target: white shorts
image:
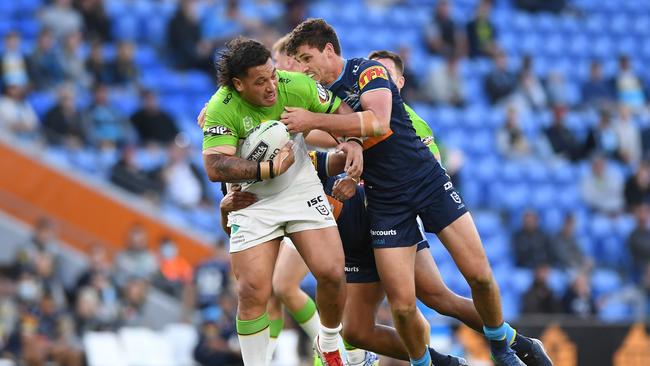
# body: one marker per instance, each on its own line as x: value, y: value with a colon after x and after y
x: 284, y: 213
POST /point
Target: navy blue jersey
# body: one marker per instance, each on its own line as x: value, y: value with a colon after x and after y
x: 398, y: 159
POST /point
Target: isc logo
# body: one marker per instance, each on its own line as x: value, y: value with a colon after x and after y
x: 314, y: 201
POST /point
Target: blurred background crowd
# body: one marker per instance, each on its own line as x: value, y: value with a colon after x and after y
x: 541, y: 108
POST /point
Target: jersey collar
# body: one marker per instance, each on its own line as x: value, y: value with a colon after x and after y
x: 345, y: 64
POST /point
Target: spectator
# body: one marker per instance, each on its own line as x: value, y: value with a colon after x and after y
x: 211, y: 279
x: 443, y: 36
x: 530, y: 243
x: 534, y: 6
x: 629, y: 88
x: 184, y: 38
x: 63, y: 123
x: 500, y: 83
x: 86, y: 312
x: 637, y: 187
x: 12, y: 61
x: 602, y: 188
x: 511, y: 141
x: 124, y: 70
x: 596, y: 92
x: 151, y: 123
x: 602, y: 139
x: 213, y: 347
x: 45, y: 68
x: 97, y: 66
x: 563, y: 141
x: 225, y: 23
x: 136, y: 261
x: 44, y: 335
x: 43, y: 240
x: 445, y: 85
x: 481, y: 33
x: 97, y: 25
x: 556, y: 87
x: 645, y: 283
x: 127, y: 175
x: 578, y: 300
x: 531, y: 87
x: 183, y: 180
x: 645, y: 142
x: 44, y: 266
x: 134, y: 297
x: 566, y: 251
x: 97, y: 263
x: 72, y: 62
x: 61, y: 18
x: 176, y: 271
x: 16, y: 114
x: 539, y: 299
x: 104, y: 124
x: 639, y: 239
x: 627, y: 131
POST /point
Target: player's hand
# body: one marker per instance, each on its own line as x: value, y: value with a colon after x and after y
x: 236, y: 199
x: 353, y: 159
x: 200, y: 120
x: 344, y: 189
x: 284, y: 159
x: 298, y: 119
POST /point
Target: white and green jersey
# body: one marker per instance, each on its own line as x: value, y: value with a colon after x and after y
x: 229, y: 120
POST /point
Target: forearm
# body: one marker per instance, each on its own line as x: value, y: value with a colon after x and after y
x: 229, y: 169
x: 335, y: 163
x: 359, y: 124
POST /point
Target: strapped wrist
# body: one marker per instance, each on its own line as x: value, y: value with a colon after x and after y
x: 265, y: 171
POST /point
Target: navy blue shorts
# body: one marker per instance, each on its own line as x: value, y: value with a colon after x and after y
x: 361, y: 268
x: 393, y: 214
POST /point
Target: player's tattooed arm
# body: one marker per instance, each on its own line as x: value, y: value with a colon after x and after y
x: 229, y: 169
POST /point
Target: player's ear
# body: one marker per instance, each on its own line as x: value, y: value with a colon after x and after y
x: 329, y: 49
x: 400, y: 82
x: 239, y: 86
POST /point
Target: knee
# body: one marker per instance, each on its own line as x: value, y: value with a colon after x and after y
x: 403, y: 309
x: 330, y: 274
x: 253, y: 292
x: 481, y: 280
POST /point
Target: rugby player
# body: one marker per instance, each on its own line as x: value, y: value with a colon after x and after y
x: 403, y: 181
x: 253, y: 91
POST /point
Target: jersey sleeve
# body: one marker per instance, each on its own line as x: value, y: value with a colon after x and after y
x: 319, y: 161
x: 423, y: 130
x: 372, y: 76
x: 220, y: 125
x: 315, y: 97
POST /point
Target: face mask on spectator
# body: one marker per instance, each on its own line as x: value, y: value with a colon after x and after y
x: 28, y: 290
x: 168, y: 251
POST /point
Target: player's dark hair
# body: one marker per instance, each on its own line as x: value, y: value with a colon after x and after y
x: 397, y: 59
x: 313, y: 32
x: 240, y: 55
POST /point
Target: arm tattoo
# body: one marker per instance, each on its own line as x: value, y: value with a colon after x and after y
x: 230, y: 169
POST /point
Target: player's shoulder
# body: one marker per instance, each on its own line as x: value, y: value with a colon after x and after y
x: 364, y: 70
x: 292, y: 81
x: 224, y: 99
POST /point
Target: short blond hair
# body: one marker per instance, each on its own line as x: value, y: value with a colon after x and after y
x: 280, y: 46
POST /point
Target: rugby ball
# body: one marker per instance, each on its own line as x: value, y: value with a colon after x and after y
x: 265, y: 141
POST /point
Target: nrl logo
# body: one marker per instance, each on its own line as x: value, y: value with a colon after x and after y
x: 248, y: 122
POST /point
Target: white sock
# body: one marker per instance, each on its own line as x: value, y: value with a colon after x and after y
x: 355, y: 356
x: 328, y: 338
x: 254, y: 348
x: 273, y: 343
x: 311, y: 326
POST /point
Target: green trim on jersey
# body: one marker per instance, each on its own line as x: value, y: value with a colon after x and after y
x: 229, y: 118
x: 422, y: 129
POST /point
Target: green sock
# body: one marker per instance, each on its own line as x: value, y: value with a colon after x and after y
x: 249, y: 327
x: 307, y: 311
x: 348, y: 346
x: 276, y: 326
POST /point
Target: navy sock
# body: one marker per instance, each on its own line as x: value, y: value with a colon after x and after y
x: 439, y: 359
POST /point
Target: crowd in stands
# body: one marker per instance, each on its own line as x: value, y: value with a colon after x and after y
x: 44, y: 316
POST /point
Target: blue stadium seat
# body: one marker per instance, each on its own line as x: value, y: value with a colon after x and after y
x: 605, y: 282
x: 552, y: 219
x: 558, y: 281
x: 29, y: 28
x: 615, y: 311
x: 521, y: 279
x: 126, y: 27
x: 41, y: 102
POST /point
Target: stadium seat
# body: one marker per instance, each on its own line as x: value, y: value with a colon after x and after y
x: 42, y: 102
x: 521, y: 280
x: 104, y: 349
x: 614, y: 311
x: 558, y: 281
x: 144, y: 347
x: 182, y: 338
x: 605, y: 282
